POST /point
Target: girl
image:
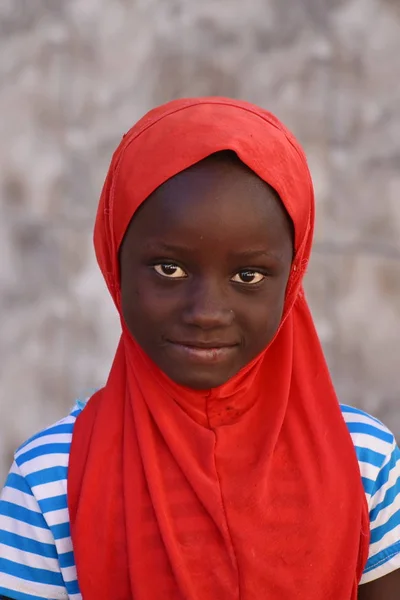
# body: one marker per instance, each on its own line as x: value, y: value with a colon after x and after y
x: 216, y: 463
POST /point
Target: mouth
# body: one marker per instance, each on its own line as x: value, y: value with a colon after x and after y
x: 204, y: 352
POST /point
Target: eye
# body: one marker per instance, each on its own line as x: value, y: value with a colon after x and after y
x: 248, y: 276
x: 170, y: 270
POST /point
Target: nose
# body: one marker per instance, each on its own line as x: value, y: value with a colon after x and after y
x: 207, y: 306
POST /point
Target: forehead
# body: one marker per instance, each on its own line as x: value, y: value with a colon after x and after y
x: 222, y: 172
x: 219, y: 197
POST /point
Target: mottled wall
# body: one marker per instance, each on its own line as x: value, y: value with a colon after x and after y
x: 74, y: 76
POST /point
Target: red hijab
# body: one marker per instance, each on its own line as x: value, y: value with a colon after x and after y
x: 173, y: 496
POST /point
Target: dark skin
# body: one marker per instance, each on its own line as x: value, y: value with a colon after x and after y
x: 210, y: 289
x: 385, y: 588
x: 205, y: 264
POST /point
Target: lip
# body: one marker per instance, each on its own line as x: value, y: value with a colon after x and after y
x: 205, y: 345
x: 204, y: 352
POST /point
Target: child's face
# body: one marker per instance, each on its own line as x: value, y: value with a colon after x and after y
x: 204, y: 268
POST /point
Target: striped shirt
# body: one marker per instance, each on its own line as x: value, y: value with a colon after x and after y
x: 36, y: 555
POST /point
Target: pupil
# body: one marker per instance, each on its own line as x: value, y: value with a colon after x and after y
x: 169, y: 269
x: 247, y: 276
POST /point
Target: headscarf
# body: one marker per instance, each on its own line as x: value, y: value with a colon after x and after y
x: 248, y: 491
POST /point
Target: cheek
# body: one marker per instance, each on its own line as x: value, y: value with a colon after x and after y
x: 263, y: 323
x: 145, y: 310
x: 260, y: 320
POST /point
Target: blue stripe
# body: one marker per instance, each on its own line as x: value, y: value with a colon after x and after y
x: 31, y: 573
x: 55, y: 503
x: 379, y: 532
x: 66, y: 560
x: 384, y: 473
x: 374, y: 432
x: 18, y: 595
x: 44, y: 450
x: 57, y: 429
x: 72, y: 587
x: 395, y: 458
x: 382, y: 557
x: 389, y: 498
x: 27, y: 544
x: 370, y: 456
x: 369, y: 485
x: 17, y: 482
x: 49, y: 475
x: 19, y: 513
x: 60, y: 531
x: 345, y: 408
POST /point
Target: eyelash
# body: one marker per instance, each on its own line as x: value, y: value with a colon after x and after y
x: 175, y: 266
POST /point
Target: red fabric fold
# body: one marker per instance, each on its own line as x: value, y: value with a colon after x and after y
x: 248, y: 491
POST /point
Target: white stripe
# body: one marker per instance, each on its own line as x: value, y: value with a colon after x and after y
x: 43, y: 440
x: 64, y: 545
x: 50, y: 490
x: 369, y: 471
x: 15, y: 469
x: 69, y: 574
x: 15, y: 584
x: 45, y: 461
x: 57, y: 517
x: 389, y: 455
x: 30, y: 531
x: 20, y: 499
x: 28, y: 559
x: 370, y: 442
x: 351, y: 417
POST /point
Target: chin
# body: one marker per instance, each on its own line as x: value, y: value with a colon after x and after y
x: 201, y: 381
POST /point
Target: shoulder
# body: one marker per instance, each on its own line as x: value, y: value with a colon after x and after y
x: 379, y: 461
x: 374, y: 444
x: 41, y: 464
x: 35, y: 542
x: 43, y: 458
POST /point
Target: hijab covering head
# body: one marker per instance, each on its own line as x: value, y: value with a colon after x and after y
x: 170, y: 494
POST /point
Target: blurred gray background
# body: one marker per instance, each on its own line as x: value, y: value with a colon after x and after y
x: 75, y: 75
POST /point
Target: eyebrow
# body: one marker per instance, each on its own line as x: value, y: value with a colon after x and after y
x: 251, y: 253
x: 248, y: 254
x: 164, y: 247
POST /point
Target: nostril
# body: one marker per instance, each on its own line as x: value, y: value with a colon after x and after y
x: 208, y: 317
x: 207, y: 304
